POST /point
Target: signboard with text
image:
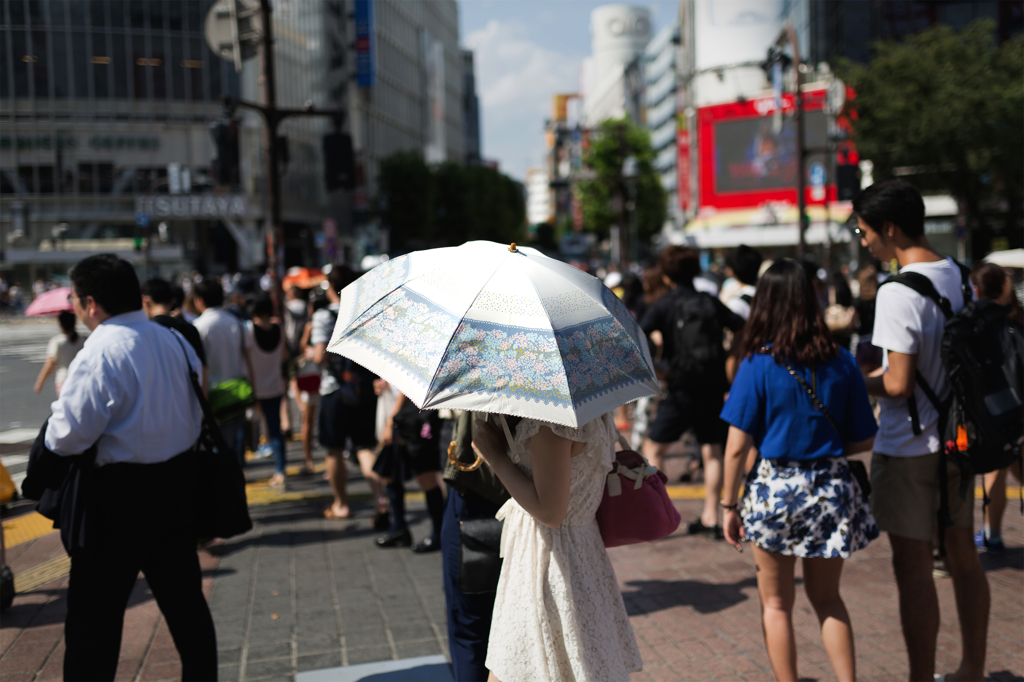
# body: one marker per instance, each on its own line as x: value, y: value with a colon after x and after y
x: 366, y: 48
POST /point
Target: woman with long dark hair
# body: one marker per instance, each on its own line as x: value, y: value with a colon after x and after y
x: 801, y: 401
x: 61, y: 350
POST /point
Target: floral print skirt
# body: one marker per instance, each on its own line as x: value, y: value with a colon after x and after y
x: 807, y: 509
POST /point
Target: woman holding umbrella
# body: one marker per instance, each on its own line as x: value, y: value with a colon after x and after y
x: 549, y: 352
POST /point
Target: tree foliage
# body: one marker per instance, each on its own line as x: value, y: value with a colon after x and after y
x: 616, y: 140
x: 947, y: 108
x: 446, y: 205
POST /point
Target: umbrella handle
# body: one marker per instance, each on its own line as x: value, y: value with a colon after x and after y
x: 455, y: 462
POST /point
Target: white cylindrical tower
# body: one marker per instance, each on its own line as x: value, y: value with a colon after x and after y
x: 618, y: 34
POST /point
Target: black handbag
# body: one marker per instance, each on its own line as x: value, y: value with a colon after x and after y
x: 220, y: 508
x: 479, y: 555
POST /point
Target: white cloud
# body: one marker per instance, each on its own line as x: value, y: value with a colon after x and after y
x: 516, y: 79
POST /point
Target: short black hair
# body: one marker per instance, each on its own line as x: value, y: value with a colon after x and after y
x: 745, y: 263
x: 261, y: 306
x: 160, y: 290
x: 893, y: 201
x: 110, y: 280
x: 340, y: 277
x: 210, y: 291
x: 680, y: 263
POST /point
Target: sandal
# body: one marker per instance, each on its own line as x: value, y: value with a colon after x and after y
x: 329, y: 513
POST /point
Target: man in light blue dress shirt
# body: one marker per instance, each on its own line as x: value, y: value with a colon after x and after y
x: 128, y: 391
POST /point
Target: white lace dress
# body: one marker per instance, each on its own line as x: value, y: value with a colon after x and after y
x: 558, y: 613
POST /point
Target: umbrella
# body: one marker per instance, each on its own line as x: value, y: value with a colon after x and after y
x: 50, y: 302
x: 497, y: 329
x: 303, y: 278
x: 1011, y: 258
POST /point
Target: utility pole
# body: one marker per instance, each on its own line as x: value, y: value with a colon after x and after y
x: 275, y: 232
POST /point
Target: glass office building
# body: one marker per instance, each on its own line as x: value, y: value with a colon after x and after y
x: 105, y: 108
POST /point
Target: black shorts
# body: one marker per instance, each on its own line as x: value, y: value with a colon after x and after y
x: 679, y: 412
x: 339, y: 422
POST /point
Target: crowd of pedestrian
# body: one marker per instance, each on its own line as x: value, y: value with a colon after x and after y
x: 781, y: 371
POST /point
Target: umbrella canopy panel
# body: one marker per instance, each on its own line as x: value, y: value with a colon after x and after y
x: 483, y: 328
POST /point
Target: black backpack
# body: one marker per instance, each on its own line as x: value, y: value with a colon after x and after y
x: 981, y: 421
x: 698, y: 360
x: 355, y: 382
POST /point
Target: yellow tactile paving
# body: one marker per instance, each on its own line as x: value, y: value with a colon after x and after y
x: 44, y: 573
x: 26, y: 527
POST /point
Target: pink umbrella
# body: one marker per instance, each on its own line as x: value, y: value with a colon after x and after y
x: 50, y: 302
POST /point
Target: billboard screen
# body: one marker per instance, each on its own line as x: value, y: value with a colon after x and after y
x: 745, y: 163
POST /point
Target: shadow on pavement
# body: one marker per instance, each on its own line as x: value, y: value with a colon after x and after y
x: 656, y: 595
x: 1004, y: 676
x: 1012, y: 558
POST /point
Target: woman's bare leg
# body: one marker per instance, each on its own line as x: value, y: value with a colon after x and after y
x: 777, y: 589
x: 821, y: 581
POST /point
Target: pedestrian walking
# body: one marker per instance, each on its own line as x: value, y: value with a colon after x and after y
x: 268, y: 353
x: 743, y: 265
x: 992, y: 283
x: 128, y: 393
x: 293, y: 322
x: 158, y: 302
x: 60, y: 351
x: 347, y: 400
x: 692, y: 326
x: 227, y: 348
x: 410, y: 446
x: 869, y: 356
x: 905, y: 475
x: 801, y: 401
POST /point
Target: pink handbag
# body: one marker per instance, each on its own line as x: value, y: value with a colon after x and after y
x: 635, y: 507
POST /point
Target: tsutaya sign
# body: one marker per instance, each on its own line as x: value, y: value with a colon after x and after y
x: 194, y: 206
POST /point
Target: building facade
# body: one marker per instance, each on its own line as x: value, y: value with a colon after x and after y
x: 660, y: 103
x: 539, y: 208
x: 105, y: 109
x: 470, y: 111
x: 612, y: 84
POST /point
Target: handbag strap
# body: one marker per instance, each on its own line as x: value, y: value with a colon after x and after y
x: 196, y: 388
x: 806, y: 387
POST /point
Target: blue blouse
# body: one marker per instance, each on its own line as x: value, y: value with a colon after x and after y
x: 768, y: 402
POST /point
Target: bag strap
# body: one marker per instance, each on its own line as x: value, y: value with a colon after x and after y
x: 515, y: 449
x: 806, y: 387
x: 197, y: 389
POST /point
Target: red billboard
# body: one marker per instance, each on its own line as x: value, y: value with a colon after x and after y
x: 744, y: 162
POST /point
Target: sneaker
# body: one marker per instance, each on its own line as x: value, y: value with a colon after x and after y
x: 711, y: 532
x: 264, y: 451
x: 995, y: 546
x: 979, y: 539
x: 939, y: 569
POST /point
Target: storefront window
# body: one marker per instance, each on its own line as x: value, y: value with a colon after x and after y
x: 81, y: 60
x: 22, y: 57
x: 61, y: 79
x: 100, y: 64
x: 120, y: 66
x: 98, y: 13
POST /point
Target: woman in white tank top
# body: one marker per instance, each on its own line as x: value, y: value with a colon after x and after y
x: 267, y: 354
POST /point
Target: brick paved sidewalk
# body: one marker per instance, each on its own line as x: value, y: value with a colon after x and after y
x: 300, y: 593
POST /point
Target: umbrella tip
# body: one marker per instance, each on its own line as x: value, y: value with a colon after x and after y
x: 513, y: 248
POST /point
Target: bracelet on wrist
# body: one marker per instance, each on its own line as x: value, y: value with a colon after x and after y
x: 729, y: 507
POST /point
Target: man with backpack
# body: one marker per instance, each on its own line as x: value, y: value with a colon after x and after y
x: 910, y: 474
x: 692, y: 325
x: 743, y: 264
x: 347, y: 401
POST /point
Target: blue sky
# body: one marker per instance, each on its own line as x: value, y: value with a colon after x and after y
x: 526, y: 51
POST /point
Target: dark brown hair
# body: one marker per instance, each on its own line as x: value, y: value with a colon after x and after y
x: 785, y: 313
x: 990, y: 280
x: 680, y: 263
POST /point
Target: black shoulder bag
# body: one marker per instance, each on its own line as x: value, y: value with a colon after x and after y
x: 220, y: 509
x: 857, y: 468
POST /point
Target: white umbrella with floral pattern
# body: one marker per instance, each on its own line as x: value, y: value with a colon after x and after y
x: 492, y: 328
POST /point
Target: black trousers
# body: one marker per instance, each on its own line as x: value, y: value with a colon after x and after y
x: 469, y: 615
x: 138, y: 521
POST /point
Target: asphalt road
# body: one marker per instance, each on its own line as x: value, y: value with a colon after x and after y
x: 22, y: 410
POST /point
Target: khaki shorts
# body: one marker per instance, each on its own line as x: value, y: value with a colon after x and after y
x: 905, y: 495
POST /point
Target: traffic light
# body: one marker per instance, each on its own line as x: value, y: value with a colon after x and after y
x: 339, y: 164
x: 224, y: 165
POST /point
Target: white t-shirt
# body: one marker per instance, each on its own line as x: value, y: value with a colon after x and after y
x: 323, y: 327
x: 738, y: 305
x: 63, y: 351
x: 907, y: 322
x: 223, y: 338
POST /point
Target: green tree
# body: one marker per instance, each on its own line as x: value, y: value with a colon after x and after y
x: 405, y: 200
x: 947, y: 108
x: 615, y: 141
x: 447, y: 204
